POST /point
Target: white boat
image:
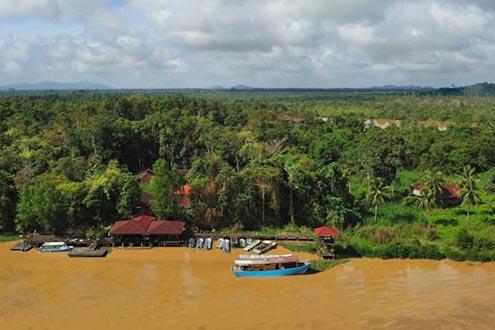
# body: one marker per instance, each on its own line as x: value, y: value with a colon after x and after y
x: 55, y: 247
x: 251, y: 246
x: 220, y: 243
x: 264, y: 246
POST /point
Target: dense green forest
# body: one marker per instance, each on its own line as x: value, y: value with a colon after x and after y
x: 258, y: 159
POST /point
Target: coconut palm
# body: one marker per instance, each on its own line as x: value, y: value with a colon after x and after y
x: 377, y: 194
x: 432, y: 187
x: 469, y: 187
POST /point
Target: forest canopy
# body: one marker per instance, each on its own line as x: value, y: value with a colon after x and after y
x: 252, y: 159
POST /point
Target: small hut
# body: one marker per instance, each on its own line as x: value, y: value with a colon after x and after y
x: 144, y: 176
x: 449, y: 194
x: 326, y: 241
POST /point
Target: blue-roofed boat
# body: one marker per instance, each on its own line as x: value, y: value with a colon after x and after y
x: 269, y: 266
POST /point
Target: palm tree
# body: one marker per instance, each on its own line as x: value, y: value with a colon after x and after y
x: 469, y: 187
x: 432, y: 187
x: 377, y: 194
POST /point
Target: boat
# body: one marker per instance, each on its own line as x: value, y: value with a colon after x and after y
x: 252, y: 245
x: 191, y: 243
x: 242, y: 243
x: 21, y: 246
x: 208, y: 243
x: 220, y: 243
x: 264, y: 247
x: 269, y: 266
x: 84, y: 252
x: 55, y: 247
x: 226, y: 245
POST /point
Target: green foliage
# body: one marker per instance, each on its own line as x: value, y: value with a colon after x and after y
x: 272, y: 161
x: 167, y: 181
x: 308, y: 248
x: 8, y: 237
x: 40, y: 207
x: 322, y: 265
x: 469, y: 187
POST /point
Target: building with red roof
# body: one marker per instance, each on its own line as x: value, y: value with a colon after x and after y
x: 146, y: 229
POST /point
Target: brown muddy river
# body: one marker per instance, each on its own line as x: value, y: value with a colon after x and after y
x: 178, y: 288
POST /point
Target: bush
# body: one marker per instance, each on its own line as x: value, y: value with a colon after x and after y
x: 454, y: 254
x: 464, y: 239
x: 398, y: 213
x: 321, y: 265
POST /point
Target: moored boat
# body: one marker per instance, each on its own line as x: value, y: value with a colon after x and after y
x: 55, y: 247
x: 264, y: 247
x: 269, y: 266
x: 251, y: 245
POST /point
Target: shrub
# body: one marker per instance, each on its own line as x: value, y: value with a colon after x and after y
x: 464, y: 239
x: 454, y: 254
x: 321, y: 265
x: 398, y: 213
x: 380, y: 235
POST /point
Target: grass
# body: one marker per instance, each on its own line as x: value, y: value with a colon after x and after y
x: 322, y: 265
x: 308, y: 248
x: 8, y: 237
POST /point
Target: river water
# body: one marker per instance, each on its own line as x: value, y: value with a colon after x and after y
x: 178, y: 288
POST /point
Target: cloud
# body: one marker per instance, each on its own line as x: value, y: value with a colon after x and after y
x: 311, y: 43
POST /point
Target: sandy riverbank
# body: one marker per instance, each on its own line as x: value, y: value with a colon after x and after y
x: 180, y: 288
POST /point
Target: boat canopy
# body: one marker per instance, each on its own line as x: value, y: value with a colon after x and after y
x: 252, y: 256
x: 53, y: 244
x: 263, y: 260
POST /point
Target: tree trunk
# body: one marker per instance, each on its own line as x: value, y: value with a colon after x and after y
x: 291, y: 206
x: 263, y: 207
x: 376, y: 212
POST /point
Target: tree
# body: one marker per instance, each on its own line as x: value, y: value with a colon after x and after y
x: 267, y: 179
x: 111, y: 193
x: 432, y: 187
x: 8, y: 196
x: 469, y: 187
x: 490, y: 184
x: 167, y: 181
x: 40, y: 207
x: 377, y: 194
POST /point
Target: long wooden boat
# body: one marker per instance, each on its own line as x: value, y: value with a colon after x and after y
x: 251, y: 246
x: 264, y: 247
x: 269, y: 266
x: 87, y: 253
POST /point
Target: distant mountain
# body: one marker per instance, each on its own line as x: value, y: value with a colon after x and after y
x: 52, y: 85
x: 241, y: 87
x: 402, y: 88
x: 481, y: 89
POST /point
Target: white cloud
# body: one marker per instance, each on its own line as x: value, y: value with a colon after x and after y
x: 263, y: 42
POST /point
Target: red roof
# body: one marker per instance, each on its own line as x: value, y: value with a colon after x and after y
x: 184, y: 190
x: 327, y: 231
x: 136, y: 226
x: 165, y: 227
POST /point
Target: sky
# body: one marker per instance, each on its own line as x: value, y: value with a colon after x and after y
x: 262, y: 43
